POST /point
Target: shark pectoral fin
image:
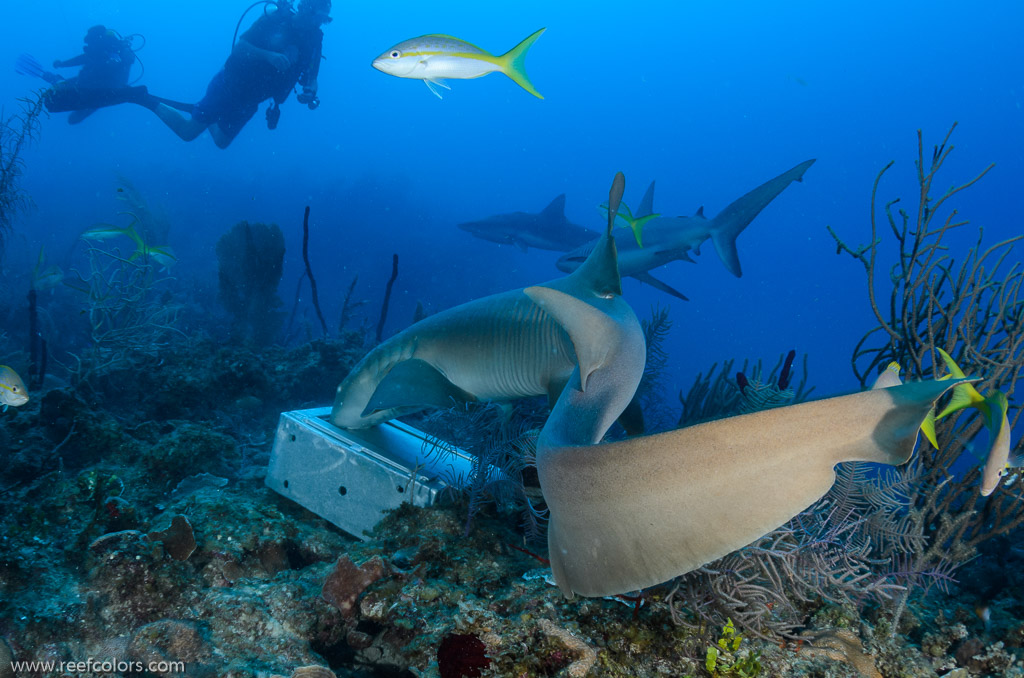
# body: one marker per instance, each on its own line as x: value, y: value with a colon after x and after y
x: 634, y: 513
x: 415, y: 383
x: 523, y: 247
x: 632, y: 418
x: 646, y: 277
x: 586, y: 326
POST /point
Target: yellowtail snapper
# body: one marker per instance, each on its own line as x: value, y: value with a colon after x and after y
x: 12, y: 389
x: 433, y: 58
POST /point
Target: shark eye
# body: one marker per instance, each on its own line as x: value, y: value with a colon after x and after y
x: 395, y: 54
x: 607, y: 295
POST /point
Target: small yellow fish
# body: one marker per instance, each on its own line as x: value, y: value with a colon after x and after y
x: 993, y: 408
x: 162, y: 255
x: 432, y: 58
x: 12, y: 389
x: 634, y: 223
x: 889, y: 377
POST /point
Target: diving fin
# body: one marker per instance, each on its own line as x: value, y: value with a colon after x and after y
x: 26, y: 64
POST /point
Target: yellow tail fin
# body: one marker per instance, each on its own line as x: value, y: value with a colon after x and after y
x: 964, y: 395
x: 514, y: 64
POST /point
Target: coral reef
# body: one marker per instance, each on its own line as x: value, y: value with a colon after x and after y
x: 971, y: 309
x: 251, y: 260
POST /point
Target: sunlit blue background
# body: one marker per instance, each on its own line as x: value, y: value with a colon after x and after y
x: 709, y: 98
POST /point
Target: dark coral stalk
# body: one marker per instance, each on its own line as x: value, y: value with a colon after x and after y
x: 309, y: 269
x: 387, y: 297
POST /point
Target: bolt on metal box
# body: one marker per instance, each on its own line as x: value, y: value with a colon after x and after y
x: 349, y: 477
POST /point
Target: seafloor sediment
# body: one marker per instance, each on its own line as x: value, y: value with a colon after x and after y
x: 135, y: 528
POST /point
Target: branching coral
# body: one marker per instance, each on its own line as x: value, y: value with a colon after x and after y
x: 501, y: 440
x: 251, y: 260
x: 652, y: 386
x: 972, y: 309
x: 719, y: 394
x: 839, y: 550
x: 16, y: 132
x: 130, y: 316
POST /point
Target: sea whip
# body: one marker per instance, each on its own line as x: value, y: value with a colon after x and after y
x: 387, y: 297
x: 309, y: 270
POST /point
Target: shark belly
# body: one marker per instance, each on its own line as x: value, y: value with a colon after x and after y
x: 501, y: 347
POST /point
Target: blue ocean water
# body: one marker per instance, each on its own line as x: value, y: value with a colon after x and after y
x: 708, y: 98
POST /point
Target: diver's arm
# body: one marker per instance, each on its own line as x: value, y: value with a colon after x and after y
x: 73, y: 61
x: 248, y: 50
x: 308, y: 79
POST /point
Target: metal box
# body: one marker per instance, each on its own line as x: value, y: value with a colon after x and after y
x: 350, y: 477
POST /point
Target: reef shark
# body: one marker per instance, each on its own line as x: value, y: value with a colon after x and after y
x: 545, y: 230
x: 667, y: 239
x: 637, y: 512
x: 496, y: 348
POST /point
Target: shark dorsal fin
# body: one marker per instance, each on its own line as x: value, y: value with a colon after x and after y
x: 647, y: 204
x: 598, y: 275
x: 587, y: 326
x: 555, y: 209
x: 700, y: 211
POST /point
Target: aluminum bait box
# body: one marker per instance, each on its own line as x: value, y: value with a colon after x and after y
x: 349, y: 477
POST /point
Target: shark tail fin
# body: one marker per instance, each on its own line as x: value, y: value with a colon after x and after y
x: 514, y: 63
x: 724, y: 241
x: 727, y: 226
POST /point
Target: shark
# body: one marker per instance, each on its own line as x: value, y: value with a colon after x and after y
x: 496, y: 348
x: 545, y: 230
x: 633, y: 513
x: 668, y: 239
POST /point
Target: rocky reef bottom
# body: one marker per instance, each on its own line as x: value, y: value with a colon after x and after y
x: 137, y: 538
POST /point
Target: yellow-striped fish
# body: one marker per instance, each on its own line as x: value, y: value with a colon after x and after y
x: 993, y: 409
x: 434, y: 58
x: 12, y: 389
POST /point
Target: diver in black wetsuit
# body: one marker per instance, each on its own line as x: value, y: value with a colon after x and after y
x: 106, y: 63
x: 280, y: 50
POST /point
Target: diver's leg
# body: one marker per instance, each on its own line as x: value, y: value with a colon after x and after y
x: 186, y: 128
x: 78, y: 116
x: 221, y: 137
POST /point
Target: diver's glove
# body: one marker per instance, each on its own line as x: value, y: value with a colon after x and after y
x: 308, y: 96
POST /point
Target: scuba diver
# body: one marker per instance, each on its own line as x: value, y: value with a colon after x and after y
x: 281, y: 49
x: 106, y: 62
